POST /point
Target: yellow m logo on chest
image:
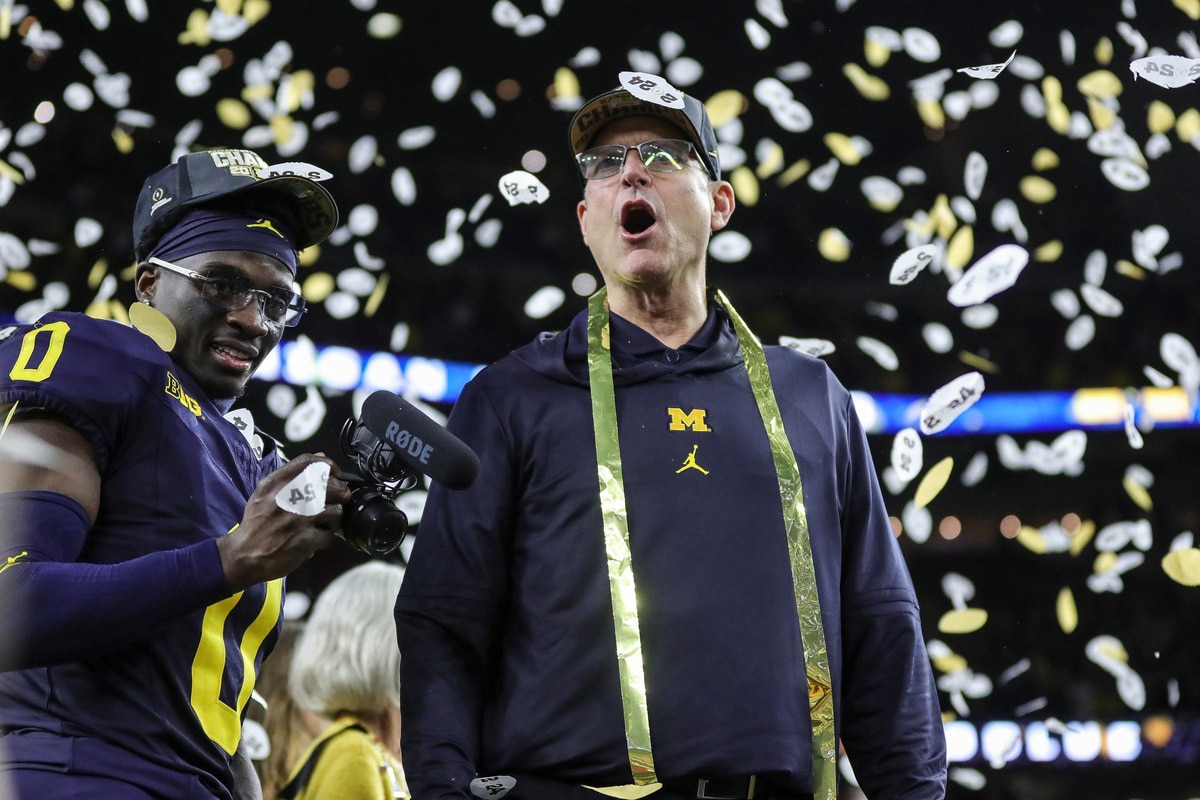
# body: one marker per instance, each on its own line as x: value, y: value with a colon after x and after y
x: 693, y: 419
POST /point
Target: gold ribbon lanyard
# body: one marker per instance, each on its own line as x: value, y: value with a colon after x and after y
x: 620, y: 567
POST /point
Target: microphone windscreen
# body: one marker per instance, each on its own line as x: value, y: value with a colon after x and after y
x: 419, y: 441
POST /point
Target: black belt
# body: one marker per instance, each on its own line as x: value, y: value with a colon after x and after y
x: 742, y: 787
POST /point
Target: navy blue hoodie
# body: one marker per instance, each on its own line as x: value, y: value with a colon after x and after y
x: 505, y: 620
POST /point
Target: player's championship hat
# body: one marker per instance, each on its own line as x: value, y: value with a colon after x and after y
x: 238, y: 179
x: 692, y: 119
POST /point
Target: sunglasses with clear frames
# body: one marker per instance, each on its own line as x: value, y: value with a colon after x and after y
x: 234, y: 292
x: 658, y: 155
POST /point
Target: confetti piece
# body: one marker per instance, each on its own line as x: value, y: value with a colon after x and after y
x: 933, y: 482
x: 745, y: 186
x: 960, y: 249
x: 949, y: 401
x: 910, y: 263
x: 882, y: 354
x: 987, y: 71
x: 871, y: 87
x: 651, y: 88
x: 907, y: 456
x: 729, y: 246
x: 1037, y: 189
x: 1183, y: 566
x: 1167, y: 71
x: 153, y: 323
x: 520, y: 187
x: 1066, y: 611
x: 1032, y: 539
x: 725, y: 106
x: 1138, y: 493
x: 305, y: 493
x: 833, y: 245
x: 305, y: 419
x: 992, y: 274
x: 814, y: 347
x: 966, y: 620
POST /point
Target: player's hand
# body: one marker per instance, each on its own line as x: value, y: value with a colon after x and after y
x: 270, y: 542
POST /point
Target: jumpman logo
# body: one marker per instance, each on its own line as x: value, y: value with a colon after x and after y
x: 14, y: 559
x: 266, y: 223
x: 690, y: 462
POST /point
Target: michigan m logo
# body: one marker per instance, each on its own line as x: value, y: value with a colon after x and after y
x: 693, y: 419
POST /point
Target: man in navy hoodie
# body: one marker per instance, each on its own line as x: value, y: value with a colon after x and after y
x: 675, y: 576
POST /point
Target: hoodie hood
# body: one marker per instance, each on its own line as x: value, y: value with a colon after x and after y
x: 637, y: 355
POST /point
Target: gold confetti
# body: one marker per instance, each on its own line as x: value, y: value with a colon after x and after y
x: 281, y: 128
x: 1058, y: 117
x: 129, y: 272
x: 933, y: 482
x: 230, y: 7
x: 254, y: 10
x: 943, y: 217
x: 745, y: 186
x: 1101, y: 115
x: 258, y: 91
x: 301, y: 84
x: 65, y: 5
x: 1101, y: 83
x: 5, y: 22
x: 1044, y: 159
x: 724, y: 106
x: 12, y: 172
x: 949, y: 663
x: 233, y: 113
x: 1082, y: 537
x: 961, y: 248
x: 116, y: 311
x: 1052, y: 90
x: 833, y: 245
x: 1183, y: 566
x: 152, y: 322
x: 977, y: 362
x: 1104, y: 51
x: 1160, y: 118
x: 772, y: 162
x: 931, y: 113
x: 372, y: 304
x: 98, y: 309
x: 1104, y: 562
x: 21, y: 279
x: 1050, y: 251
x: 869, y: 86
x: 1189, y: 7
x: 876, y: 53
x: 566, y: 85
x: 1129, y: 269
x: 962, y: 620
x: 1037, y: 189
x: 1188, y: 125
x: 97, y: 273
x: 122, y: 140
x: 1032, y: 539
x: 843, y: 148
x: 1113, y: 649
x: 794, y: 173
x: 317, y: 287
x: 196, y: 30
x: 1138, y: 494
x: 1068, y: 614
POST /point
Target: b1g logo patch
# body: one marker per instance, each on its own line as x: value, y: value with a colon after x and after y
x: 175, y: 389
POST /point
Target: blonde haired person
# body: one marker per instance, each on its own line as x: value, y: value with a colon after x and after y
x: 346, y: 669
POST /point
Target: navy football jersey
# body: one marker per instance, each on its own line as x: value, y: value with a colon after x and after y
x: 161, y: 706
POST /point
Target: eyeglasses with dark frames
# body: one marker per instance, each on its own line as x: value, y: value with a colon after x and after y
x: 658, y: 155
x: 234, y: 292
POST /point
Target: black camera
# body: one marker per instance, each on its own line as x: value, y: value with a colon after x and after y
x: 371, y: 522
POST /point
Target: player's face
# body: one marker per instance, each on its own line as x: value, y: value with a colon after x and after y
x: 649, y: 228
x: 219, y: 347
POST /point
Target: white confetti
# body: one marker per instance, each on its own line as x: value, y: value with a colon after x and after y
x: 520, y: 188
x: 992, y: 274
x: 1169, y: 72
x: 1006, y: 217
x: 883, y: 355
x: 1100, y: 301
x: 1124, y: 174
x: 87, y: 232
x: 910, y: 263
x: 492, y: 787
x: 814, y: 347
x: 544, y: 302
x: 305, y: 419
x: 918, y: 522
x: 1065, y: 302
x: 907, y: 454
x: 987, y: 71
x: 416, y: 138
x: 938, y: 337
x: 976, y: 469
x: 1080, y: 332
x: 921, y: 45
x: 1006, y: 34
x: 305, y: 493
x: 951, y: 400
x: 729, y: 247
x: 974, y: 174
x: 651, y: 88
x: 446, y: 83
x: 760, y: 37
x: 404, y: 188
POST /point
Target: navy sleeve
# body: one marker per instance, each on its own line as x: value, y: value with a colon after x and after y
x: 891, y: 720
x: 57, y: 610
x: 449, y: 610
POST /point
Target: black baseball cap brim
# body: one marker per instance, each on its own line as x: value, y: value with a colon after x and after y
x: 692, y: 120
x: 231, y: 179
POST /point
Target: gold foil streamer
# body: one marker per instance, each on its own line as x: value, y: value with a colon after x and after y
x: 616, y: 543
x: 804, y: 576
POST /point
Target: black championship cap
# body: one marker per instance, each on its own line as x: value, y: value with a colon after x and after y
x: 231, y: 178
x: 692, y: 119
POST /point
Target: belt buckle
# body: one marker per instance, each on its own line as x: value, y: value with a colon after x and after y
x: 702, y: 791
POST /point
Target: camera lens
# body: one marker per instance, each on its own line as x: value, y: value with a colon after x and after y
x: 372, y: 523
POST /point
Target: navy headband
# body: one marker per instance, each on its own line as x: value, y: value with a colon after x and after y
x: 204, y: 230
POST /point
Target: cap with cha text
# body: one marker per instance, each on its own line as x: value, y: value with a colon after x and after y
x: 692, y: 120
x: 232, y: 179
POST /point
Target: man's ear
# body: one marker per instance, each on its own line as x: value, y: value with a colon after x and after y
x: 145, y: 281
x: 581, y: 212
x: 723, y: 204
